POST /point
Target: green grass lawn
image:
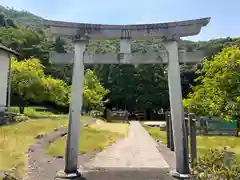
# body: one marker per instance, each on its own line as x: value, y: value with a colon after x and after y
x: 157, y: 134
x: 116, y: 127
x: 16, y: 138
x: 204, y: 143
x: 96, y: 136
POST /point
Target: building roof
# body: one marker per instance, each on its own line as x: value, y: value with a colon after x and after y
x: 4, y: 48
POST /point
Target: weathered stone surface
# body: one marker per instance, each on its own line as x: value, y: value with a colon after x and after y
x: 139, y: 152
x: 170, y: 30
x: 160, y: 57
x: 128, y: 174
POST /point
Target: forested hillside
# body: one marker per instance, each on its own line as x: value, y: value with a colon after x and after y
x: 143, y: 87
x: 22, y: 17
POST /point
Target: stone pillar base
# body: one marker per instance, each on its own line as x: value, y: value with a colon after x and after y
x: 63, y: 175
x: 177, y: 175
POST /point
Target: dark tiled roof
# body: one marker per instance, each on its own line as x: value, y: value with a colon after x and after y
x: 4, y: 48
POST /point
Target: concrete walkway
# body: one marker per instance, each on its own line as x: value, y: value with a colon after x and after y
x: 137, y: 150
x: 133, y: 158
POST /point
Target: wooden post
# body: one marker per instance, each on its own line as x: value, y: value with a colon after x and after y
x: 193, y: 139
x: 171, y: 142
x: 167, y: 128
x: 186, y: 129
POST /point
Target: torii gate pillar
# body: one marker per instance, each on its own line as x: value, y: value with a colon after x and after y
x: 75, y: 109
x: 71, y: 159
x: 177, y: 116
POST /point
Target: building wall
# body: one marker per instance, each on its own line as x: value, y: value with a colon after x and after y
x: 3, y: 78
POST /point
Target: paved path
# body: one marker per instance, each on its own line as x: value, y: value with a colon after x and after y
x: 138, y: 150
x: 134, y: 158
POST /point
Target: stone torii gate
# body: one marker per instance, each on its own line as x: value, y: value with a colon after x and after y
x: 170, y: 33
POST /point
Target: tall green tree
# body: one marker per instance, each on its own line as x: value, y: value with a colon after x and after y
x: 94, y: 92
x: 27, y: 41
x: 132, y: 87
x: 142, y: 87
x: 219, y: 90
x: 29, y: 83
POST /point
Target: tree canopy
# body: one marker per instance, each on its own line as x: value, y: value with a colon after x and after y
x: 93, y: 92
x: 29, y: 83
x: 27, y: 41
x: 218, y: 92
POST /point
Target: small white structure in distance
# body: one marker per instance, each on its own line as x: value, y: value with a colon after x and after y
x: 5, y: 58
x: 155, y: 123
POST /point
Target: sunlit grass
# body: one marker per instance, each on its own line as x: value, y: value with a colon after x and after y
x: 157, y: 134
x: 121, y: 128
x: 211, y: 142
x: 90, y: 140
x: 34, y: 112
x: 16, y: 138
x: 95, y: 137
x: 204, y: 143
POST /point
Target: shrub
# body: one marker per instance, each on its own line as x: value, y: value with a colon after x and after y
x: 217, y: 164
x: 9, y: 177
x: 32, y: 112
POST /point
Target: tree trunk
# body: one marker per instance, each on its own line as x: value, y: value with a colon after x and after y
x: 237, y: 128
x: 148, y: 114
x: 21, y: 109
x: 105, y: 113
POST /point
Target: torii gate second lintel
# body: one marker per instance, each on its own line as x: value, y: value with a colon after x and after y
x: 149, y: 57
x: 169, y: 32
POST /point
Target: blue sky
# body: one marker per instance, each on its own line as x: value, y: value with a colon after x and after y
x: 225, y: 15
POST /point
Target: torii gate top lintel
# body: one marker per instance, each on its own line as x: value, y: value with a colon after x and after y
x: 171, y: 31
x: 167, y: 30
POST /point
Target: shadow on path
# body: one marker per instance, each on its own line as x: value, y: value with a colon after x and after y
x: 126, y: 174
